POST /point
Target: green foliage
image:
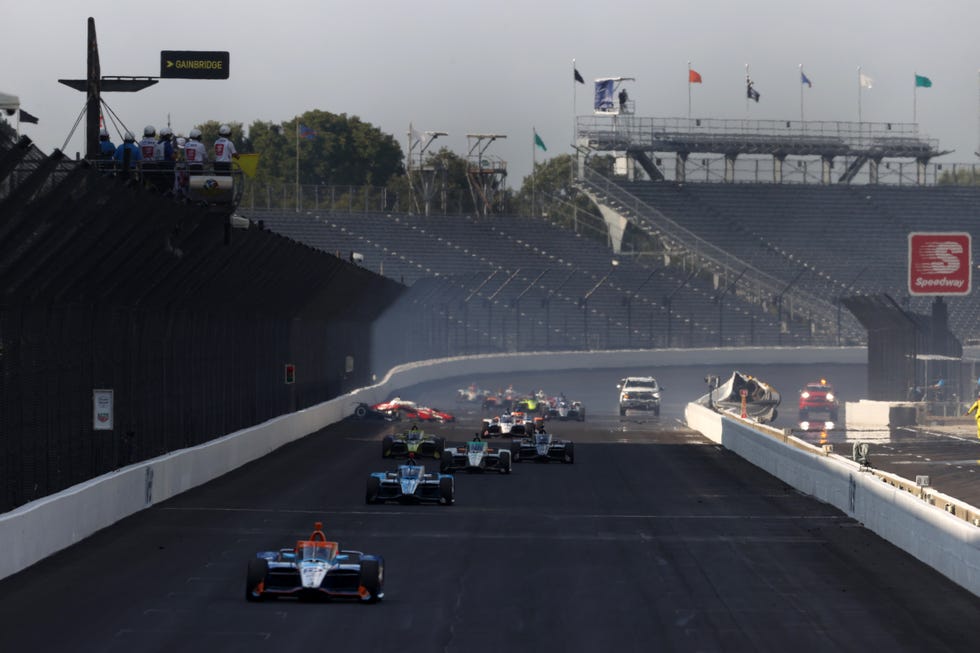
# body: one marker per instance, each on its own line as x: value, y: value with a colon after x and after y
x: 555, y: 196
x: 960, y: 177
x: 340, y: 150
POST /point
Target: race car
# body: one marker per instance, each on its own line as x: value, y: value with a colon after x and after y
x: 818, y: 403
x: 521, y: 425
x: 410, y: 484
x: 476, y: 456
x: 563, y: 409
x: 315, y: 568
x: 542, y: 447
x: 413, y: 442
x: 398, y: 408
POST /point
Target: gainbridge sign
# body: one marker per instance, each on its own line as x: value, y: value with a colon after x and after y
x: 193, y: 64
x: 940, y: 263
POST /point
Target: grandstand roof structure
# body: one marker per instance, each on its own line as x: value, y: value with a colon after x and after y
x: 861, y: 142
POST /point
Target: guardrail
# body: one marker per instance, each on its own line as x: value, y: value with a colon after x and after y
x: 939, y: 530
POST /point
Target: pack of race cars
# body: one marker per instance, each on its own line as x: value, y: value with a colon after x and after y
x: 317, y: 568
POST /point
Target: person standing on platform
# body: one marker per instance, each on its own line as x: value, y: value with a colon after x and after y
x: 224, y: 150
x: 195, y: 154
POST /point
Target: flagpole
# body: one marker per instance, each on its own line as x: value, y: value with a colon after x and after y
x: 571, y: 171
x: 801, y: 94
x: 534, y: 165
x: 859, y: 97
x: 746, y: 91
x: 297, y: 164
x: 915, y: 94
x: 689, y: 96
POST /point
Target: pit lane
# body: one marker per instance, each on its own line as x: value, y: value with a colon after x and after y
x: 656, y: 539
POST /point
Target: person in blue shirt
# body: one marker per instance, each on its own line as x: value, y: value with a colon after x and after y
x: 106, y: 147
x: 129, y: 143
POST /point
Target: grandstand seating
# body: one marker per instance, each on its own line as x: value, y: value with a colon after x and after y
x: 513, y: 283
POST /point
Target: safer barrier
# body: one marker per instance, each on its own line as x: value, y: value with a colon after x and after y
x: 40, y: 528
x: 938, y: 530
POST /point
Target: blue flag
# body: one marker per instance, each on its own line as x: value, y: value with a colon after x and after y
x: 805, y: 80
x: 307, y: 133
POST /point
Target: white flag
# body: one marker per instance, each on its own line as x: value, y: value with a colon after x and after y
x: 866, y: 81
x: 416, y: 138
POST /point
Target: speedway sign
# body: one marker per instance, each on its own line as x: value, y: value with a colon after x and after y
x: 940, y: 263
x: 194, y: 64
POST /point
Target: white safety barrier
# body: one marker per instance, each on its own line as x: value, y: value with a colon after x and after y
x: 922, y: 522
x: 38, y: 529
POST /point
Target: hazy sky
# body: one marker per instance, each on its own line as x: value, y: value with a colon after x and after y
x: 476, y: 67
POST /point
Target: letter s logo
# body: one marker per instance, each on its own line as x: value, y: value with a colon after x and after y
x: 939, y: 258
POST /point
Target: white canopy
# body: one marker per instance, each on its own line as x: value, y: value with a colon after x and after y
x: 9, y: 102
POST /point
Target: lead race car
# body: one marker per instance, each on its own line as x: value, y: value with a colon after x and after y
x: 410, y: 484
x: 315, y: 568
x: 476, y: 456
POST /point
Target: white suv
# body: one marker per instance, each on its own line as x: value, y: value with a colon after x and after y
x: 639, y: 393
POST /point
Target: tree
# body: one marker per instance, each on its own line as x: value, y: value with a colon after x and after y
x: 333, y: 150
x: 960, y: 177
x: 556, y: 197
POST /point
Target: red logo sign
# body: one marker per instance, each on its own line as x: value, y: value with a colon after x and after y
x: 940, y: 263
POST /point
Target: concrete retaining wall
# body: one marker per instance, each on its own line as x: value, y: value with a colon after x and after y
x: 939, y: 539
x: 43, y: 527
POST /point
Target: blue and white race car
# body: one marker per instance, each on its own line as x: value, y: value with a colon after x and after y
x: 410, y: 484
x: 315, y: 568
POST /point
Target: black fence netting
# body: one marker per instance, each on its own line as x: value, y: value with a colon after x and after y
x: 194, y: 326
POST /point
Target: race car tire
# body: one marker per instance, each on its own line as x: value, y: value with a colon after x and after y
x: 834, y: 415
x: 372, y: 578
x: 622, y: 411
x: 656, y: 411
x: 440, y: 447
x: 504, y: 465
x: 803, y: 415
x: 446, y: 462
x: 361, y: 411
x: 386, y: 444
x: 447, y: 490
x: 373, y: 489
x: 258, y: 568
x: 515, y: 452
x: 569, y: 453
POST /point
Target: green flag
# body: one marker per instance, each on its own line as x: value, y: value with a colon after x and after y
x: 923, y: 82
x: 539, y: 142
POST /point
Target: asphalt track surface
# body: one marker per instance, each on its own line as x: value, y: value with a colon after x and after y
x: 654, y: 540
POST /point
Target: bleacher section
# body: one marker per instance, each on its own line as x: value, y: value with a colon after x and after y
x: 833, y: 240
x: 502, y: 283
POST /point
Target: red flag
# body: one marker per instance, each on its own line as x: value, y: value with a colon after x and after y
x: 693, y: 76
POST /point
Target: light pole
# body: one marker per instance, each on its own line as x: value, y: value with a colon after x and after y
x: 517, y: 306
x: 584, y: 303
x: 840, y: 298
x: 779, y: 306
x: 720, y: 298
x: 629, y: 306
x: 669, y: 300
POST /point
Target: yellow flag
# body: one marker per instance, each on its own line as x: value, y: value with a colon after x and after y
x: 247, y: 163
